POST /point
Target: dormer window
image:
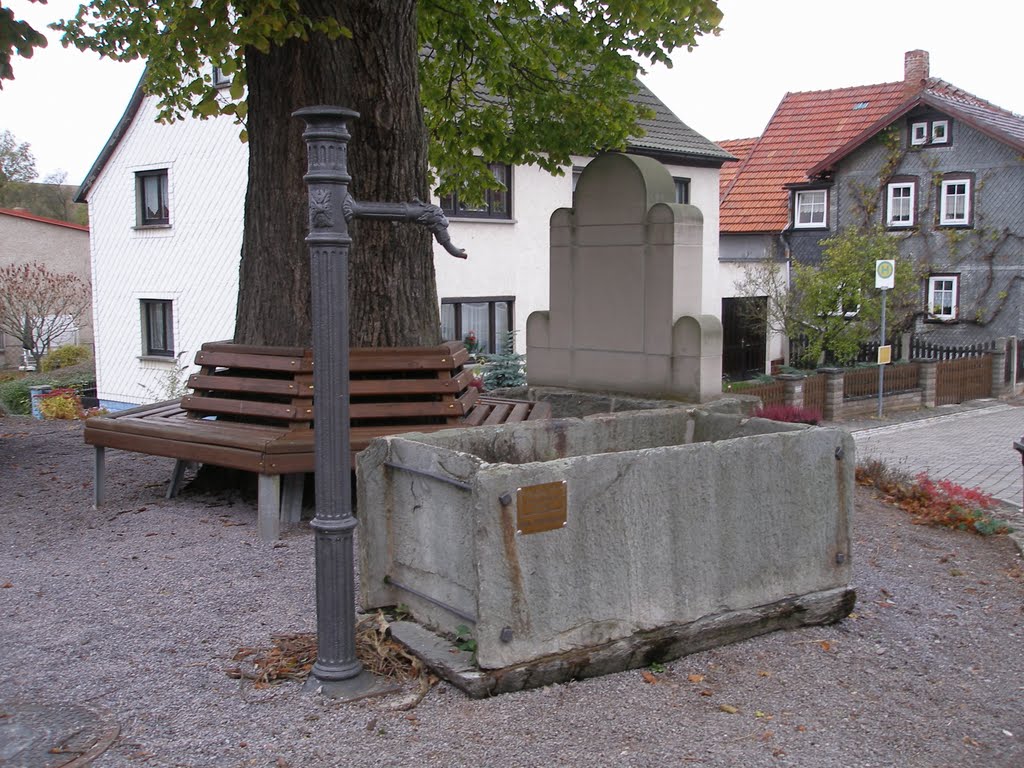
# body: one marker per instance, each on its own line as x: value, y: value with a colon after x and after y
x: 929, y: 133
x: 810, y: 209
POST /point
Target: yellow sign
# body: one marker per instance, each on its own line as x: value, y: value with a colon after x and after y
x: 885, y: 354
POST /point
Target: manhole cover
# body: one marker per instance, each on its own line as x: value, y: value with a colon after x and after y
x: 52, y: 735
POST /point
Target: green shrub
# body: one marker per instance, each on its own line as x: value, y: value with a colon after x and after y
x: 16, y: 398
x: 64, y: 357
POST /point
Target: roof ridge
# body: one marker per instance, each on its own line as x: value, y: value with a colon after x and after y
x: 29, y: 216
x: 844, y: 88
x: 945, y: 89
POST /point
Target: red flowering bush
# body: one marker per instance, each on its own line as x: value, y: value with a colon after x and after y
x: 934, y: 502
x: 790, y: 413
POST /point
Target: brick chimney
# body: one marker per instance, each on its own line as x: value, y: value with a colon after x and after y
x: 915, y: 71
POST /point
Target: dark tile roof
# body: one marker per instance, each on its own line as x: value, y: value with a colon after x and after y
x: 665, y: 136
x: 666, y: 133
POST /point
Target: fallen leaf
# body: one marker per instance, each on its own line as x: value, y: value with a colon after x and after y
x: 648, y: 677
x: 695, y: 678
x: 825, y: 645
x: 6, y: 585
x: 801, y: 728
x: 729, y: 709
x: 778, y: 753
x: 707, y: 692
x: 763, y: 673
x: 971, y: 742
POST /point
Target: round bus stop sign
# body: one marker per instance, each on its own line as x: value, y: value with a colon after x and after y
x: 885, y: 274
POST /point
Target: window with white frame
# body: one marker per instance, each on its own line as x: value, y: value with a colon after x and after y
x: 955, y: 201
x: 930, y: 132
x: 152, y: 209
x: 901, y: 203
x: 810, y: 208
x: 481, y: 322
x: 157, y: 327
x: 943, y: 297
x: 497, y: 203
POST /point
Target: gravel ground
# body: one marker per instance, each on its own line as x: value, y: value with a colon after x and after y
x: 137, y: 609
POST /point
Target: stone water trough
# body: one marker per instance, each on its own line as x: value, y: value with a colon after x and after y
x: 581, y: 546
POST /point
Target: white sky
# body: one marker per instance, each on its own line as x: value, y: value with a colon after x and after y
x: 65, y: 103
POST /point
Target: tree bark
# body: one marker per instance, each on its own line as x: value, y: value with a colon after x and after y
x: 392, y: 295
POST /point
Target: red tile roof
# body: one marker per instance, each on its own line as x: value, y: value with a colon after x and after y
x: 813, y: 130
x: 740, y: 148
x: 806, y: 128
x: 21, y: 214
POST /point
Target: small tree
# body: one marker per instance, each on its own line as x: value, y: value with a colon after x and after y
x: 38, y: 305
x: 505, y: 368
x: 835, y: 303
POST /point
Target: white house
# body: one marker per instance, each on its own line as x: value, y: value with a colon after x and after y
x: 166, y: 207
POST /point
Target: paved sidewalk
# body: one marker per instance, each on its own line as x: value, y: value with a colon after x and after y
x: 972, y: 446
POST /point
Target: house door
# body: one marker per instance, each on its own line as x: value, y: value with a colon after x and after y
x: 744, y: 340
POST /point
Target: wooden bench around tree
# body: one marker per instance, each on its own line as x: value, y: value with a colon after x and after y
x: 251, y: 409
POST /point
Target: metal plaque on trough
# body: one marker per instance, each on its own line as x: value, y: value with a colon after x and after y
x: 541, y: 507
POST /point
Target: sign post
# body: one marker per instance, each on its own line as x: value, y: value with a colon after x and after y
x: 885, y: 279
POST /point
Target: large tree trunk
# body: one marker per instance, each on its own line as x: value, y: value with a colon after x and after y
x: 393, y: 296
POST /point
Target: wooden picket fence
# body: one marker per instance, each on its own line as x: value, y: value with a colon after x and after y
x: 967, y: 378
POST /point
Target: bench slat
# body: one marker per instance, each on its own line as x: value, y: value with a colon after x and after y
x: 452, y: 408
x: 540, y: 411
x: 428, y: 386
x: 250, y: 408
x: 253, y: 437
x: 206, y: 453
x: 248, y: 385
x: 498, y: 414
x: 279, y: 364
x: 519, y: 412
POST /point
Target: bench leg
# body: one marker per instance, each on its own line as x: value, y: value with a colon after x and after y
x: 180, y: 465
x: 291, y: 498
x: 268, y: 510
x: 99, y: 478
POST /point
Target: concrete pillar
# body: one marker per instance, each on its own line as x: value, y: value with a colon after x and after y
x: 833, y: 408
x: 794, y: 395
x: 999, y: 367
x: 926, y: 380
x: 905, y: 353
